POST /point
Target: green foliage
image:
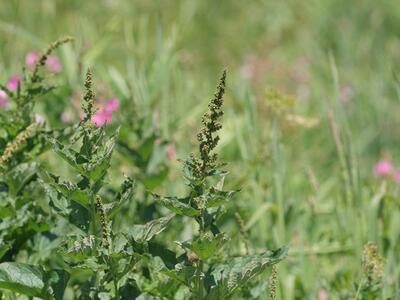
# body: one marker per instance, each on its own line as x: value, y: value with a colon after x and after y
x: 200, y: 271
x: 33, y: 280
x: 312, y: 106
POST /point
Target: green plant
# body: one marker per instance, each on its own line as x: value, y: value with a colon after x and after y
x: 202, y: 270
x: 23, y: 211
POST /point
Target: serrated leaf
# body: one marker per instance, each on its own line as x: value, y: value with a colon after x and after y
x: 33, y: 280
x: 66, y: 153
x: 207, y: 245
x: 144, y: 233
x: 181, y: 273
x: 68, y: 189
x: 100, y: 162
x: 72, y: 211
x: 177, y: 206
x: 216, y: 197
x: 228, y: 277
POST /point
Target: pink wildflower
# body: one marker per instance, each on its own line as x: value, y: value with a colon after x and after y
x: 66, y: 117
x: 39, y: 119
x: 323, y: 294
x: 53, y: 64
x: 4, y: 102
x: 14, y: 83
x: 111, y: 105
x: 102, y: 117
x: 383, y: 167
x: 31, y: 59
x: 171, y: 152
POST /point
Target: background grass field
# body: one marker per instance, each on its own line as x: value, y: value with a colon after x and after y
x: 312, y: 104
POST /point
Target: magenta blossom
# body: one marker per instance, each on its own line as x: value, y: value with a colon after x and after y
x: 383, y: 167
x: 53, y: 64
x: 102, y: 117
x: 14, y: 83
x: 31, y: 59
x: 111, y: 105
x: 4, y: 102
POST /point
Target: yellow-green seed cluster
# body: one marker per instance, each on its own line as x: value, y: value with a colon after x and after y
x: 206, y: 137
x: 273, y: 283
x: 15, y: 145
x: 42, y: 60
x: 373, y: 263
x: 88, y: 103
x: 105, y: 230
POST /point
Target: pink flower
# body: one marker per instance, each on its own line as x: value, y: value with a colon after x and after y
x: 171, y: 152
x: 39, y: 119
x: 102, y: 117
x: 14, y: 83
x: 53, y: 64
x: 112, y: 105
x: 66, y: 117
x: 31, y: 59
x: 323, y: 294
x: 383, y: 167
x: 4, y: 102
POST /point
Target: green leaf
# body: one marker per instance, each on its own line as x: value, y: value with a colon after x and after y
x: 71, y: 210
x: 33, y: 280
x: 68, y: 189
x: 100, y: 162
x: 207, y: 245
x: 19, y: 176
x: 182, y: 273
x: 177, y: 206
x: 66, y: 153
x: 228, y: 277
x: 216, y: 197
x: 144, y: 233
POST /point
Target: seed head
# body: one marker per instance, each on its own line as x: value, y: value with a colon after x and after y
x: 15, y: 145
x: 88, y: 98
x: 373, y: 263
x: 105, y: 230
x: 201, y: 166
x: 273, y: 282
x: 43, y: 58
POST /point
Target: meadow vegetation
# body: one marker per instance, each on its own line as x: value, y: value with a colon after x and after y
x: 199, y: 149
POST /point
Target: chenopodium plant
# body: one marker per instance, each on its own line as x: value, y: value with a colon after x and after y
x: 203, y: 273
x: 371, y: 284
x: 22, y: 213
x: 100, y: 257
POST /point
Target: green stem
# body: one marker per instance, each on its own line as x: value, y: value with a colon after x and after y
x: 116, y: 288
x: 200, y: 288
x: 200, y: 264
x: 93, y: 214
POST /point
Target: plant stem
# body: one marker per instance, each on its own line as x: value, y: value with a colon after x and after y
x: 200, y: 280
x: 200, y: 264
x: 116, y: 288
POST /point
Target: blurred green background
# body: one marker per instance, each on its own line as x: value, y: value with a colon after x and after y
x: 312, y: 104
